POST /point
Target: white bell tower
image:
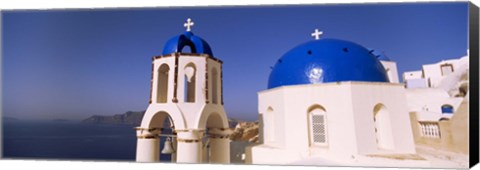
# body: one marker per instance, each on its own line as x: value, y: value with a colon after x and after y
x: 186, y: 90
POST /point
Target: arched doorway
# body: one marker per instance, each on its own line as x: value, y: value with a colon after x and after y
x: 382, y: 127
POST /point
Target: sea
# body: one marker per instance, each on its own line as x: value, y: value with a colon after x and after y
x: 69, y: 140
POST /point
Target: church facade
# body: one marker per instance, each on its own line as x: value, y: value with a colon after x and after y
x: 336, y: 103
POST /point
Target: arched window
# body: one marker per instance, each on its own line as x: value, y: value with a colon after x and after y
x: 317, y: 123
x: 162, y: 81
x: 447, y: 109
x: 215, y: 86
x: 189, y: 80
x: 383, y: 132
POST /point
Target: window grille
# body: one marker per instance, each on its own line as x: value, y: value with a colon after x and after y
x: 318, y: 132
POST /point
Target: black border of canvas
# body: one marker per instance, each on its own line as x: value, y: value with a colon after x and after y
x: 474, y: 106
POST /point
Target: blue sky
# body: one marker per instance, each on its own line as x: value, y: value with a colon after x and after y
x: 75, y: 63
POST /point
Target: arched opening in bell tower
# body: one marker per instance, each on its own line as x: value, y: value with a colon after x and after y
x: 189, y: 82
x: 163, y: 125
x: 162, y: 81
x: 188, y: 48
x: 216, y: 145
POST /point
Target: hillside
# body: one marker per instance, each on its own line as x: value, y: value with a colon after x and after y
x: 242, y: 130
x: 9, y: 119
x: 127, y: 118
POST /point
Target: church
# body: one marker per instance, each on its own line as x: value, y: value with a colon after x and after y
x: 328, y: 102
x: 333, y: 102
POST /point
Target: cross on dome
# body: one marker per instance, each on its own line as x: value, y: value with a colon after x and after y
x: 188, y: 24
x: 317, y: 34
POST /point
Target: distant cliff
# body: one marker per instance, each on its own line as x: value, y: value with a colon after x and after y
x: 9, y: 119
x: 242, y: 130
x: 127, y: 118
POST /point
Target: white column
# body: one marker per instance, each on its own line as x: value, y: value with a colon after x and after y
x: 148, y: 145
x: 148, y: 150
x: 189, y: 146
x: 219, y: 145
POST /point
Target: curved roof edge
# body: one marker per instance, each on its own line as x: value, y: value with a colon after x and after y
x: 178, y: 43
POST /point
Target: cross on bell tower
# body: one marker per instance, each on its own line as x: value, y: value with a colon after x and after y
x: 317, y: 34
x: 188, y: 24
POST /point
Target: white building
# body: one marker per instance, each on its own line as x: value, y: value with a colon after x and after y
x: 332, y: 102
x: 438, y: 74
x: 439, y: 111
x: 438, y: 89
x: 186, y: 90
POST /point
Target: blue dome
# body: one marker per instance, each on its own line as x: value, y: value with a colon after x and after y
x: 196, y: 44
x: 326, y: 60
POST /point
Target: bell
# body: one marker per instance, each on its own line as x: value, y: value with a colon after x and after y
x: 167, y: 147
